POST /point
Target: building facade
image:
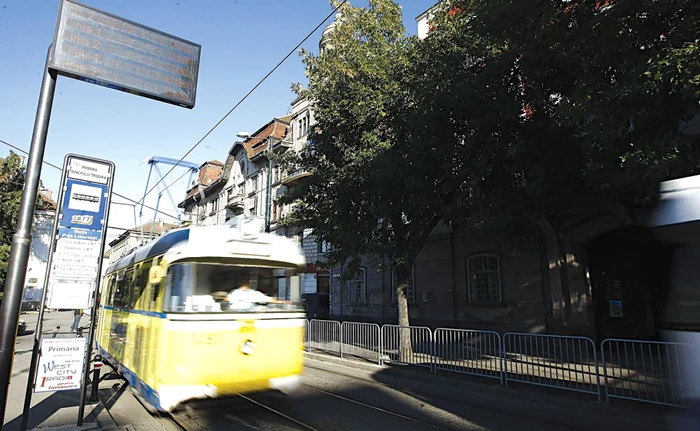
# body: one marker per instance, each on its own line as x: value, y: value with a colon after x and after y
x: 133, y: 238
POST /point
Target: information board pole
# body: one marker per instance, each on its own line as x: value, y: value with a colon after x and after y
x: 95, y: 302
x: 72, y: 276
x: 22, y: 239
x: 40, y: 319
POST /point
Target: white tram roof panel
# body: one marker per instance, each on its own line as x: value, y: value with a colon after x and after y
x: 242, y: 238
x: 679, y: 202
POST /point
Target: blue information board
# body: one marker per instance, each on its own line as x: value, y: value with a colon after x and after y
x: 83, y: 205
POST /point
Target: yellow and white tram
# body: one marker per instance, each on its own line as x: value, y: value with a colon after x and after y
x: 167, y: 324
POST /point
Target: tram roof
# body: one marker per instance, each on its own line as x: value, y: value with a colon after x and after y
x: 211, y: 235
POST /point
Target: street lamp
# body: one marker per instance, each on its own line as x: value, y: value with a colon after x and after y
x: 268, y: 194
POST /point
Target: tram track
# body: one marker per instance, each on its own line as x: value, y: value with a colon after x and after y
x: 263, y: 412
x: 236, y: 413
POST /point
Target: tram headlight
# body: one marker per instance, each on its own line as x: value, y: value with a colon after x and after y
x: 247, y: 347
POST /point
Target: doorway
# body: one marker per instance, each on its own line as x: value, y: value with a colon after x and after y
x: 628, y: 271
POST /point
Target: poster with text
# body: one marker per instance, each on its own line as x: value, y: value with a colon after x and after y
x: 60, y: 364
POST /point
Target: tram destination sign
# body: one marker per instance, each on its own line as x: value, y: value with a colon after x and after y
x: 104, y: 49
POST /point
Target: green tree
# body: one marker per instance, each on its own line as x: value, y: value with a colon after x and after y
x: 374, y: 190
x: 11, y: 186
x: 507, y: 112
x: 558, y: 105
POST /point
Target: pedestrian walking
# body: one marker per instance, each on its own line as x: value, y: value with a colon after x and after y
x: 77, y: 315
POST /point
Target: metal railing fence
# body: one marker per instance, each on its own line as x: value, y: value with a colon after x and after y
x: 562, y: 362
x: 647, y: 371
x: 408, y: 345
x: 324, y: 335
x: 361, y: 340
x: 468, y: 352
x: 650, y: 371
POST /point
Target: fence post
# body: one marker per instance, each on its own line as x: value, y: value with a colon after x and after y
x: 381, y: 345
x: 605, y: 371
x: 597, y: 371
x: 433, y: 353
x: 504, y: 367
x: 340, y: 337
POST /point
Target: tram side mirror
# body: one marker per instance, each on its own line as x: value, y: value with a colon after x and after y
x: 155, y: 276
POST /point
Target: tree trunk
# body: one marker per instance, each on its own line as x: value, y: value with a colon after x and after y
x: 405, y: 347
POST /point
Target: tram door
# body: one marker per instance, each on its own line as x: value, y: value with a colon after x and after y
x: 152, y: 325
x: 141, y: 321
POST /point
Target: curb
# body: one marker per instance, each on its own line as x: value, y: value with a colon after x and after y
x: 570, y: 409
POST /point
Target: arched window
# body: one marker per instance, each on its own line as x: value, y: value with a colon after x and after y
x: 484, y: 279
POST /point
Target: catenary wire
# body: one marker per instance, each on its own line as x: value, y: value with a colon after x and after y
x: 134, y: 203
x: 264, y: 78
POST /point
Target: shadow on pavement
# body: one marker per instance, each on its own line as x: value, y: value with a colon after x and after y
x: 61, y: 408
x: 545, y: 405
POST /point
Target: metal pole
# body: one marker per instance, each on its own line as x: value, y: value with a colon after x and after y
x: 40, y: 319
x: 21, y: 240
x: 95, y: 303
x: 150, y: 169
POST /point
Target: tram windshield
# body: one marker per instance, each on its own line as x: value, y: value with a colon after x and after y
x: 208, y: 287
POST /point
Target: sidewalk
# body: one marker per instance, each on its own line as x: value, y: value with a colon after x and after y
x: 117, y: 409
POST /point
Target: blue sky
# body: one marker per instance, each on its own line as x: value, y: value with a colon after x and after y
x: 241, y: 41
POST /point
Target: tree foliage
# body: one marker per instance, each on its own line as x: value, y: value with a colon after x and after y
x: 11, y: 187
x: 562, y: 104
x: 374, y: 190
x: 506, y: 112
x: 11, y: 184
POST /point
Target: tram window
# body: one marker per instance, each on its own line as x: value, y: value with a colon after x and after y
x: 112, y: 290
x: 201, y: 287
x: 180, y: 286
x: 121, y: 295
x: 138, y: 285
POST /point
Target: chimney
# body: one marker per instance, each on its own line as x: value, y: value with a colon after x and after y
x: 209, y: 172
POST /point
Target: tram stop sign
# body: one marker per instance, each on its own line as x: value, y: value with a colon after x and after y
x: 103, y: 49
x: 81, y: 225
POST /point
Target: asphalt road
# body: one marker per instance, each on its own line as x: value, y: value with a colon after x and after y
x: 328, y: 401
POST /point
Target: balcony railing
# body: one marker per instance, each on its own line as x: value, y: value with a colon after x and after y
x: 235, y: 201
x: 295, y: 176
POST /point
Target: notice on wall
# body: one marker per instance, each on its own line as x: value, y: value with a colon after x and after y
x: 615, y: 308
x: 60, y: 364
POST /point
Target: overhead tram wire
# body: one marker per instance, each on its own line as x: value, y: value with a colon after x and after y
x: 133, y: 202
x: 218, y: 123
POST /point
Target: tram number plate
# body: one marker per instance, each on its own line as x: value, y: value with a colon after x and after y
x: 247, y: 326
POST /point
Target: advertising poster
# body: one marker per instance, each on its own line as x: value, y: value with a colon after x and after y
x: 615, y: 308
x: 60, y: 364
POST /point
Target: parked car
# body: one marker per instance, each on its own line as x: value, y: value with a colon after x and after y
x: 21, y: 327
